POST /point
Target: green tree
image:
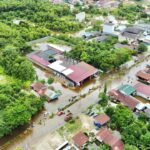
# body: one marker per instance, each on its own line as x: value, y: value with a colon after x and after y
x: 146, y: 139
x: 130, y: 147
x: 50, y: 80
x: 142, y: 48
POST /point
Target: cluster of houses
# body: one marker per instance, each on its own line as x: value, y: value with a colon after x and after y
x: 132, y: 35
x: 103, y: 135
x: 41, y: 89
x: 126, y: 94
x: 71, y: 72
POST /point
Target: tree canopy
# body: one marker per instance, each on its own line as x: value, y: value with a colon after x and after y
x: 16, y: 107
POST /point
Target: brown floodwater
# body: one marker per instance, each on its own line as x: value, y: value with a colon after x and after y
x: 143, y: 100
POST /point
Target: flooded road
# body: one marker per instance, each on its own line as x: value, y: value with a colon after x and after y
x: 44, y: 126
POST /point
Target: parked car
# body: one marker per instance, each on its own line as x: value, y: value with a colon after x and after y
x: 60, y: 113
x: 68, y: 117
x: 91, y: 113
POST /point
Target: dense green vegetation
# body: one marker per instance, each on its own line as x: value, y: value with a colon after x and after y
x: 130, y: 12
x: 135, y: 132
x: 15, y: 65
x: 16, y: 107
x: 142, y: 48
x: 101, y: 55
x: 36, y: 18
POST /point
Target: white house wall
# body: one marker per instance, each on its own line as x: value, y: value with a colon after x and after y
x: 143, y: 95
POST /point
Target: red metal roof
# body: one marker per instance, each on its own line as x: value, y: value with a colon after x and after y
x: 39, y: 87
x: 143, y: 88
x: 81, y: 72
x: 80, y: 139
x: 105, y: 135
x: 102, y: 119
x: 143, y: 75
x: 39, y: 60
x: 127, y: 100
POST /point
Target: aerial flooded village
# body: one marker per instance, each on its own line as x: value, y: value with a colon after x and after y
x: 74, y: 75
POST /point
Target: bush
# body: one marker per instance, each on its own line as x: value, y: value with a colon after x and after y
x: 42, y: 81
x: 142, y: 48
x: 50, y: 80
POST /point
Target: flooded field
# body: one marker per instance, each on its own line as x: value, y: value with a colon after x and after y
x: 44, y: 126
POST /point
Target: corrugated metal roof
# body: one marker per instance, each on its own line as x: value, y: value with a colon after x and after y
x: 80, y: 139
x: 57, y: 66
x: 82, y: 71
x: 108, y: 138
x: 126, y: 89
x: 143, y: 88
x: 127, y: 100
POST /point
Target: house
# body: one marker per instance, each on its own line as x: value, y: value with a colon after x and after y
x: 107, y: 3
x: 44, y: 57
x: 143, y: 90
x: 131, y: 34
x: 140, y: 107
x: 120, y: 28
x: 52, y: 95
x: 80, y: 72
x: 39, y: 87
x: 66, y: 146
x: 16, y: 22
x: 80, y: 139
x: 144, y: 76
x: 127, y: 89
x: 58, y: 66
x: 91, y: 34
x: 109, y: 28
x: 39, y: 61
x: 111, y: 19
x: 101, y: 38
x: 80, y: 16
x: 119, y: 45
x: 101, y: 120
x: 106, y: 136
x: 127, y: 100
x: 147, y: 112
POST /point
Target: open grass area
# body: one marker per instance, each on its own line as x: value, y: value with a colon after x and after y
x: 58, y: 41
x: 82, y: 123
x: 70, y: 127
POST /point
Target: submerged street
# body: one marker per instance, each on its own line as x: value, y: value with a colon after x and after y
x: 43, y: 126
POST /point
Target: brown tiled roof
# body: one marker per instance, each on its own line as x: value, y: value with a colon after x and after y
x: 143, y: 75
x: 127, y: 100
x: 38, y: 86
x: 105, y: 135
x: 80, y: 139
x: 102, y: 119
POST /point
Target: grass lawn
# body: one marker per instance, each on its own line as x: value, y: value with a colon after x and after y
x: 71, y: 127
x: 4, y: 79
